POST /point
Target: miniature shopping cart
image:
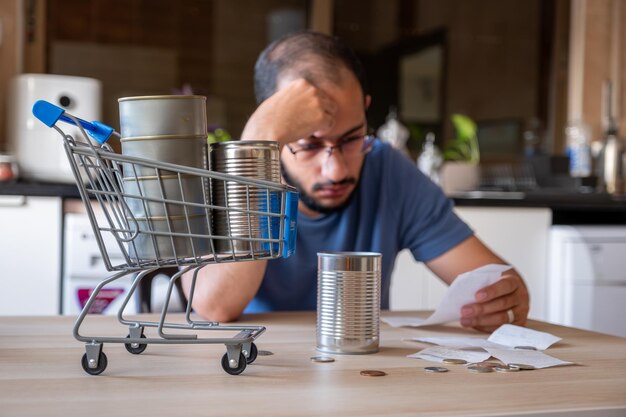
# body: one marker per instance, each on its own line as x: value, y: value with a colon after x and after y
x: 182, y: 236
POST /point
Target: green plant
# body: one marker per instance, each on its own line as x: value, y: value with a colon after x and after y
x: 464, y: 147
x: 218, y: 135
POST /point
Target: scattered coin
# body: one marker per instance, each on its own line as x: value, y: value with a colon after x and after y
x: 371, y: 372
x: 455, y: 361
x: 480, y: 369
x: 525, y: 347
x: 521, y: 366
x: 322, y: 359
x: 485, y: 364
x: 436, y: 369
x: 506, y: 369
x: 264, y: 353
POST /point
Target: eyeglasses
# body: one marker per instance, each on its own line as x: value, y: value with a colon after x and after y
x: 308, y: 150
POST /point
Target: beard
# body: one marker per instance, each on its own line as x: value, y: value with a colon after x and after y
x: 310, y: 202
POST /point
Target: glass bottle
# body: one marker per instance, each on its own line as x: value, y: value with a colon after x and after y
x: 578, y: 149
x: 430, y: 159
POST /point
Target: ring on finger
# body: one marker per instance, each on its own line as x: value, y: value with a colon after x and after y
x: 510, y: 314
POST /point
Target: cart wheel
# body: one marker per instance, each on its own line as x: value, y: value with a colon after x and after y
x: 234, y: 371
x: 138, y: 349
x: 253, y: 354
x: 102, y: 364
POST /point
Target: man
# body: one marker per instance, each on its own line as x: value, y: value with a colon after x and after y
x: 355, y: 194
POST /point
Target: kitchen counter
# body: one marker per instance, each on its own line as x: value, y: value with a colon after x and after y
x: 568, y: 207
x: 39, y: 189
x: 41, y: 375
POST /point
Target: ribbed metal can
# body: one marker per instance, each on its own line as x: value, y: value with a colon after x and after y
x: 250, y: 159
x: 348, y: 302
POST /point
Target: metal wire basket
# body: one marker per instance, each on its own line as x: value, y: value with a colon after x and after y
x: 162, y: 215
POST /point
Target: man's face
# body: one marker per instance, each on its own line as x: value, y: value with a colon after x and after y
x: 326, y: 182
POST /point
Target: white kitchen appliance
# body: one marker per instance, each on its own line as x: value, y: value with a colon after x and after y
x: 587, y: 278
x: 40, y: 153
x: 83, y: 269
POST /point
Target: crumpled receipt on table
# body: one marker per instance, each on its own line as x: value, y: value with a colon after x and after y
x: 461, y: 292
x: 509, y: 343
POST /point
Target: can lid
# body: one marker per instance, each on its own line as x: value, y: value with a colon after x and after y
x: 244, y: 143
x: 347, y: 254
x: 160, y: 97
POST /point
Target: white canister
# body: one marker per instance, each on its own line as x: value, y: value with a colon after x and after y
x: 29, y: 139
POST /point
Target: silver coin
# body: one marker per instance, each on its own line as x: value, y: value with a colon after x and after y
x: 525, y: 347
x: 521, y: 366
x: 480, y: 369
x: 455, y: 361
x: 264, y: 353
x: 322, y: 359
x: 436, y: 369
x: 506, y: 369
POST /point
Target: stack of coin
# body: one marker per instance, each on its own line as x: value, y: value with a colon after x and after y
x: 479, y: 369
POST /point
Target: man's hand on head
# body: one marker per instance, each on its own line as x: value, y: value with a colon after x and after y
x: 297, y: 110
x: 505, y: 301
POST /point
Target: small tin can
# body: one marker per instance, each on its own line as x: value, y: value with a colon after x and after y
x: 348, y: 302
x: 250, y: 159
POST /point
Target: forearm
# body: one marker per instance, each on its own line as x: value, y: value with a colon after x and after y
x: 468, y: 255
x: 222, y: 291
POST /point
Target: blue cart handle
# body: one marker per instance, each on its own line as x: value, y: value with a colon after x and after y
x: 49, y: 114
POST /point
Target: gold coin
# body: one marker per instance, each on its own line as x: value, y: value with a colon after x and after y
x: 371, y: 372
x: 455, y: 361
x: 480, y: 369
x: 322, y: 359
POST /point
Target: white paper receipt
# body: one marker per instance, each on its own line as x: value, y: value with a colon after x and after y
x: 439, y: 353
x: 513, y: 336
x: 460, y: 293
x: 528, y: 357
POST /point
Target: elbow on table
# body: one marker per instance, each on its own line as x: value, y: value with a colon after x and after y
x: 218, y: 313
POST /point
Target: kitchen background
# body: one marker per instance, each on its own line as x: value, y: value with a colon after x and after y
x: 513, y: 66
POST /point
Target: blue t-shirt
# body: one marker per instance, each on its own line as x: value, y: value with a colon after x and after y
x: 394, y: 207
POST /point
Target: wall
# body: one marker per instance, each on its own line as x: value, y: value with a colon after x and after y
x: 494, y: 52
x: 493, y: 56
x: 598, y: 48
x: 10, y: 54
x: 233, y: 67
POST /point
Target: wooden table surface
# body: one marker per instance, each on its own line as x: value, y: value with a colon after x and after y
x: 41, y: 375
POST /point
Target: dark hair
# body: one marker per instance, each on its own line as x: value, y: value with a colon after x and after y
x: 312, y: 55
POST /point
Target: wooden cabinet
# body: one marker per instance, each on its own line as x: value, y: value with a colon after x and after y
x: 30, y: 254
x: 519, y: 235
